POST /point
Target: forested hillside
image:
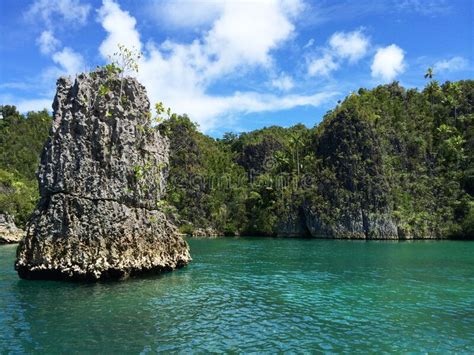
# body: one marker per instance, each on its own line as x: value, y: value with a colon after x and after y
x: 385, y: 163
x: 21, y: 142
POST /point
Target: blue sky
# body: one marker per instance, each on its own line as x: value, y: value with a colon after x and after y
x: 236, y: 65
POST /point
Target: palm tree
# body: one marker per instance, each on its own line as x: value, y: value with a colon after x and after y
x: 296, y: 140
x: 429, y: 73
x: 281, y: 160
x: 453, y: 92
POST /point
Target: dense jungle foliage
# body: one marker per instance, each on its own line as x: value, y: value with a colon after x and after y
x: 404, y: 153
x: 21, y: 142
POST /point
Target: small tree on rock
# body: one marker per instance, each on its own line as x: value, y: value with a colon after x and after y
x: 125, y: 61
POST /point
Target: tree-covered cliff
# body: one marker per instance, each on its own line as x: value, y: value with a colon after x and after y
x: 384, y: 163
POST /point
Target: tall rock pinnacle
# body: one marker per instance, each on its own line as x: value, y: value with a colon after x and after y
x: 101, y: 178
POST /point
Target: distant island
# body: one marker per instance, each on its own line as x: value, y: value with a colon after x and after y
x: 386, y: 163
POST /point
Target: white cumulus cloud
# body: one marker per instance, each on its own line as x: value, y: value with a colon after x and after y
x: 245, y: 33
x: 120, y: 28
x: 241, y: 36
x: 388, y: 63
x: 350, y: 45
x: 342, y: 47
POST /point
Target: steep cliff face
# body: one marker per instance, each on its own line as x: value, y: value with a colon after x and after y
x: 353, y: 202
x: 102, y: 177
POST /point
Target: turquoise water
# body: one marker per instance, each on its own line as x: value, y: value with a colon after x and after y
x: 255, y: 294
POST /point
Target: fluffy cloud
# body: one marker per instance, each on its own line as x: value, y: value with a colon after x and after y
x: 450, y: 65
x: 322, y: 66
x: 241, y: 36
x: 49, y: 16
x: 70, y: 61
x: 194, y: 15
x: 388, y: 63
x: 54, y: 13
x: 245, y: 33
x: 47, y: 42
x: 120, y: 28
x: 351, y: 45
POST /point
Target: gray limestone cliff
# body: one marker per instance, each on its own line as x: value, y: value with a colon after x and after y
x: 101, y: 178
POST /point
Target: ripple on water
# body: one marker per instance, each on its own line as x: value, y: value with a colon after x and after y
x: 262, y: 295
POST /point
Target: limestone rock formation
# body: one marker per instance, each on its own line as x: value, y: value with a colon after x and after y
x: 101, y: 177
x: 349, y: 197
x: 354, y: 204
x: 9, y: 233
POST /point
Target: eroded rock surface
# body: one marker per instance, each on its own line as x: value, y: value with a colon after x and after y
x: 102, y: 176
x: 9, y: 233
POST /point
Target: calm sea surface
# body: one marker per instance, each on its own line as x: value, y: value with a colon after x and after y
x: 256, y: 294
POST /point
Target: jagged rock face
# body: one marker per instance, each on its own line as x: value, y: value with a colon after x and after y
x: 101, y: 178
x: 102, y: 150
x: 9, y: 233
x: 357, y: 207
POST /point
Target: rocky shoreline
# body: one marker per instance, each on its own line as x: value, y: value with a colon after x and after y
x: 9, y: 232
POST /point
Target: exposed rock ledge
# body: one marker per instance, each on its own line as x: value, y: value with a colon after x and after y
x: 9, y: 233
x: 206, y: 233
x: 101, y: 178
